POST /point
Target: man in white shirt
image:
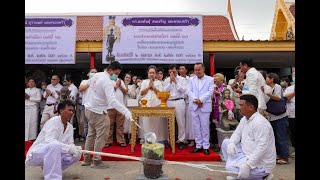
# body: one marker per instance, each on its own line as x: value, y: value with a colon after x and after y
x: 54, y: 149
x: 189, y: 128
x: 32, y: 99
x: 101, y: 96
x: 72, y: 88
x: 80, y: 106
x: 253, y: 83
x: 51, y: 93
x: 251, y: 148
x: 67, y: 81
x: 120, y: 90
x: 177, y: 86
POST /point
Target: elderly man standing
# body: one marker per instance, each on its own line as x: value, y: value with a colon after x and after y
x: 51, y: 93
x: 177, y: 86
x: 101, y: 96
x: 253, y: 83
x: 251, y: 148
x: 200, y: 93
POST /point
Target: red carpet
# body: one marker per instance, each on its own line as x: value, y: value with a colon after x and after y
x: 180, y: 155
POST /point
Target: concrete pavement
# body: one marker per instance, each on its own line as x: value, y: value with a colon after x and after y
x: 130, y: 169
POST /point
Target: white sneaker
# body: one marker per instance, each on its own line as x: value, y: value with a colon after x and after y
x: 141, y: 141
x: 293, y: 155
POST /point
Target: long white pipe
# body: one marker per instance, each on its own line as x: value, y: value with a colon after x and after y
x: 201, y: 166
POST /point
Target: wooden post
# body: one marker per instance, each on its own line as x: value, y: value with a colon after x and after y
x: 212, y: 67
x: 92, y: 59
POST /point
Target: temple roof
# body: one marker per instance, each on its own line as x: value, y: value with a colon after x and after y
x: 292, y: 10
x: 217, y: 27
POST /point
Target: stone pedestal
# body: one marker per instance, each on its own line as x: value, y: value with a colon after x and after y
x: 222, y: 134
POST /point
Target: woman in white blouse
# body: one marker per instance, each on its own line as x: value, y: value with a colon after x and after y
x: 149, y: 89
x: 32, y: 99
x: 280, y: 122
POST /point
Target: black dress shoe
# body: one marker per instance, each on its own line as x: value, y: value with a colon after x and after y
x: 181, y: 145
x: 206, y: 151
x: 167, y: 144
x: 196, y: 150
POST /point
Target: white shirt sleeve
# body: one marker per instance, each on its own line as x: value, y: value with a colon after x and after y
x: 182, y: 85
x: 73, y: 93
x: 252, y: 81
x: 113, y: 102
x: 261, y: 134
x: 167, y: 84
x: 277, y: 90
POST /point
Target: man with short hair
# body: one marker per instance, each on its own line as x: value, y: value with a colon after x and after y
x: 67, y: 81
x: 101, y: 96
x: 189, y: 128
x: 115, y: 116
x: 253, y: 83
x: 54, y: 149
x: 177, y: 86
x: 251, y: 148
x: 200, y: 93
x: 81, y: 108
x: 51, y: 93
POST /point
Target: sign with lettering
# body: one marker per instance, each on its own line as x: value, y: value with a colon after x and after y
x: 152, y: 40
x: 50, y: 40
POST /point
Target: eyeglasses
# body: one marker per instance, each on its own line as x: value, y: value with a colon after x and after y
x: 54, y: 79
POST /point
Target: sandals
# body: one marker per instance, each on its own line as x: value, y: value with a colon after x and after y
x: 123, y: 145
x: 282, y: 161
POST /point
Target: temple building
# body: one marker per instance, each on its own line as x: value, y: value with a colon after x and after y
x: 222, y: 48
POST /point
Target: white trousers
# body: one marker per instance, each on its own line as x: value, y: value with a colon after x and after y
x: 31, y: 122
x: 200, y: 122
x: 180, y: 113
x: 189, y: 126
x: 47, y: 114
x: 239, y: 159
x: 53, y: 160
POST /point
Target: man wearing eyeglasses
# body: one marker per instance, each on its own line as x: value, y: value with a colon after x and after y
x: 52, y: 97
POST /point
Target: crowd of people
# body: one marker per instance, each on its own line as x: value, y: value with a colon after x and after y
x: 100, y: 108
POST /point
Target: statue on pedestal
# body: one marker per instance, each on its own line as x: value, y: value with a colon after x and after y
x: 64, y: 94
x: 226, y: 110
x: 110, y: 41
x: 111, y: 34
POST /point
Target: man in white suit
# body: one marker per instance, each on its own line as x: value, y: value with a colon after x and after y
x: 253, y: 83
x: 200, y: 93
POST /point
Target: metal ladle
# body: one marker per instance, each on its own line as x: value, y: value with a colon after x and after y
x: 149, y: 137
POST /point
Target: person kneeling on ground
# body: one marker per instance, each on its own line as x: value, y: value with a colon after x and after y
x: 251, y: 148
x: 54, y: 149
